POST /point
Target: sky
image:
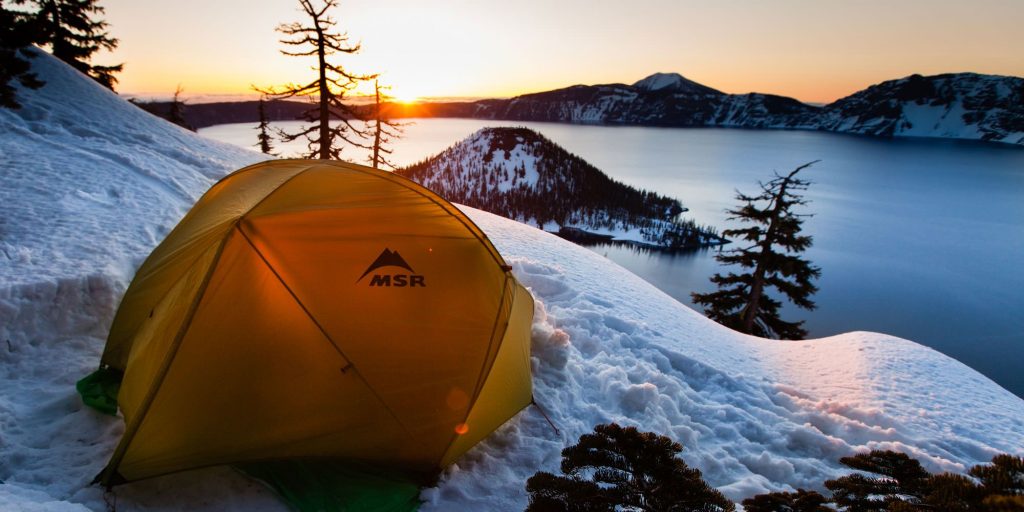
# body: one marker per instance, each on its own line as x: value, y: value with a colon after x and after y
x: 815, y: 51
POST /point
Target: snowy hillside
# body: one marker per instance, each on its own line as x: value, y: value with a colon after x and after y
x: 962, y: 105
x: 89, y: 186
x: 519, y: 174
x: 91, y: 160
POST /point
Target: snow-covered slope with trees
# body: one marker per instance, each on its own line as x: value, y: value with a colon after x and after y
x: 960, y: 105
x: 752, y: 414
x: 519, y: 174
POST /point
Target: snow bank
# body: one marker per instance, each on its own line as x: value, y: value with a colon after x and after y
x: 752, y: 414
x: 91, y: 182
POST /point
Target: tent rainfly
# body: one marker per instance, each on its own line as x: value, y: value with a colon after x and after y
x: 314, y: 309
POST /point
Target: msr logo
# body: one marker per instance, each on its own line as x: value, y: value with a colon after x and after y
x: 390, y: 258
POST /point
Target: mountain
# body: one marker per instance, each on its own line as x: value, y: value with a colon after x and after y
x: 961, y: 105
x: 90, y: 184
x: 673, y: 82
x: 957, y: 105
x: 519, y: 174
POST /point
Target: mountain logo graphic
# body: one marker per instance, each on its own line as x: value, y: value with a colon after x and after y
x: 389, y: 258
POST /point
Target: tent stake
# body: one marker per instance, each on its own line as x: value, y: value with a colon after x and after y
x: 533, y: 402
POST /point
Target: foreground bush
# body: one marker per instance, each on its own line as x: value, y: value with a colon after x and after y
x: 618, y: 468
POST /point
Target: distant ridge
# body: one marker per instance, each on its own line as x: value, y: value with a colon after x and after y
x: 954, y: 105
x: 958, y: 105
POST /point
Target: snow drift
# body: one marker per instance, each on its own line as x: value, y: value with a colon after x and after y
x: 91, y: 184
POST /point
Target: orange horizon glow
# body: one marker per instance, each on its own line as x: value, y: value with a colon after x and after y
x: 812, y: 51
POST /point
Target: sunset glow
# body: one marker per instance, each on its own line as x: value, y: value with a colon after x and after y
x: 814, y: 51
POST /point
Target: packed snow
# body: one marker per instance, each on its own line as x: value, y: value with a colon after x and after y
x: 752, y: 414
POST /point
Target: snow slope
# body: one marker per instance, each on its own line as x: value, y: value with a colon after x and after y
x: 89, y: 157
x: 752, y: 414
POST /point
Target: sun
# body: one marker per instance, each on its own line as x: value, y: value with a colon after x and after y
x: 404, y: 97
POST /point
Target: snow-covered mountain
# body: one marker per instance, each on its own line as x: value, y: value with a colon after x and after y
x: 90, y: 185
x: 519, y: 174
x: 962, y: 105
x: 673, y: 82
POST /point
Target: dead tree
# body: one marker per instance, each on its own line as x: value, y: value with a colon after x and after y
x: 318, y: 39
x: 383, y: 129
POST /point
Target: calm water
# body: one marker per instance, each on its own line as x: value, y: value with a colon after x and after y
x: 923, y: 239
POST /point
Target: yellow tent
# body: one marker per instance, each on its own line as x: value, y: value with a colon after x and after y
x: 316, y: 309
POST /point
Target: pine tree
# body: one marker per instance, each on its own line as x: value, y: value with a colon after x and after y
x: 900, y: 480
x: 618, y: 468
x: 799, y: 501
x: 264, y: 136
x: 328, y: 89
x: 17, y: 33
x: 176, y: 111
x: 742, y: 301
x: 1004, y: 476
x: 67, y: 26
x: 384, y: 130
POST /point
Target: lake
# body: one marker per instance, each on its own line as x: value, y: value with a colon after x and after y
x: 919, y: 238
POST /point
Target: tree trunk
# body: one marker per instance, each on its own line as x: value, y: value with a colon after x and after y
x: 753, y: 306
x: 325, y: 94
x: 376, y: 135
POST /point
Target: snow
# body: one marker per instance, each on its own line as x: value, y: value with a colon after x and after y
x: 752, y: 414
x: 659, y: 81
x: 77, y: 158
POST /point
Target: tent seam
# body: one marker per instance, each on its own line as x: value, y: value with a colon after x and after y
x: 486, y: 370
x: 224, y: 179
x: 132, y: 430
x: 323, y: 331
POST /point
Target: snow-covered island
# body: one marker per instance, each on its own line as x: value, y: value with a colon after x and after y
x: 521, y: 175
x: 90, y: 184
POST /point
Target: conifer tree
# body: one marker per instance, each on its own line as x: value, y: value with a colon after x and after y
x: 17, y: 33
x: 799, y: 501
x: 618, y: 468
x: 74, y: 36
x: 900, y: 479
x: 176, y: 111
x: 264, y: 139
x: 317, y: 39
x: 1004, y: 476
x: 770, y: 255
x: 384, y: 130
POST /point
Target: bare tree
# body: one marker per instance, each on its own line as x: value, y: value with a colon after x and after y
x: 383, y: 128
x: 317, y: 39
